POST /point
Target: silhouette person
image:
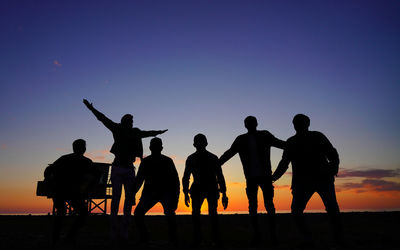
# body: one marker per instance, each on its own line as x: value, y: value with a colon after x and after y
x: 208, y: 183
x: 161, y: 184
x: 71, y: 176
x: 127, y: 146
x: 315, y: 162
x: 254, y: 150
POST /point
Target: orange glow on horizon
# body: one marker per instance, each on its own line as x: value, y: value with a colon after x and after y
x: 24, y: 200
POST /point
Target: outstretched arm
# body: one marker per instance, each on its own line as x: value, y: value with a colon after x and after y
x: 100, y: 116
x: 151, y: 133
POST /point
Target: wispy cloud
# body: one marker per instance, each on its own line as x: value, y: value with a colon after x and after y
x: 98, y: 155
x: 177, y: 160
x: 3, y: 146
x: 57, y: 63
x: 368, y: 185
x: 369, y: 173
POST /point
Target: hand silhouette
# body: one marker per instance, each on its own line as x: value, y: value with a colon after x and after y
x: 88, y: 104
x: 225, y: 201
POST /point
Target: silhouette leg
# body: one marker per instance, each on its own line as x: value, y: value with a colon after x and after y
x: 196, y: 205
x: 328, y: 196
x: 212, y: 211
x: 81, y: 214
x: 116, y: 183
x: 170, y: 203
x: 59, y: 204
x: 299, y: 202
x: 128, y: 182
x: 268, y: 194
x: 144, y: 205
x: 251, y: 191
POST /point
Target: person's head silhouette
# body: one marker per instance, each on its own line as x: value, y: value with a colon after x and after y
x: 200, y: 142
x: 127, y: 121
x: 250, y: 123
x: 156, y: 145
x: 79, y: 146
x: 301, y: 123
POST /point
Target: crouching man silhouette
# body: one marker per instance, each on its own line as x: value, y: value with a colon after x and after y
x: 315, y: 162
x: 208, y: 183
x: 71, y: 175
x: 161, y: 184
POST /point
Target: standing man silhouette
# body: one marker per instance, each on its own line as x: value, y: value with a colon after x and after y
x: 127, y: 146
x: 208, y: 183
x: 254, y: 149
x: 315, y: 162
x: 161, y: 184
x: 71, y: 176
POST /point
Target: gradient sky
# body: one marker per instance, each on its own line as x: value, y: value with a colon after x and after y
x: 201, y: 66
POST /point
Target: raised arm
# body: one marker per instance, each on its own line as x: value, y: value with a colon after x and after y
x: 100, y: 116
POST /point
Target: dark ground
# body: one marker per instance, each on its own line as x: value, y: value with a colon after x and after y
x: 361, y: 230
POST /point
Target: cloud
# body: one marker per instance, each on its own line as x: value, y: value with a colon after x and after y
x: 177, y: 160
x: 369, y: 173
x: 3, y: 146
x: 98, y: 155
x: 57, y: 63
x: 368, y: 185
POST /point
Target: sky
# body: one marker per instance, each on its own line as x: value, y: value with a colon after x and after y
x: 202, y: 67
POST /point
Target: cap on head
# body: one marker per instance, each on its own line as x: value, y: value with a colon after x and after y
x: 127, y: 120
x: 301, y: 122
x: 79, y: 146
x: 156, y: 145
x: 200, y: 141
x: 250, y: 123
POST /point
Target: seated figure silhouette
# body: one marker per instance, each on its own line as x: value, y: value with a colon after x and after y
x: 207, y: 184
x: 71, y: 175
x: 315, y: 162
x: 254, y: 149
x: 127, y: 146
x: 161, y: 184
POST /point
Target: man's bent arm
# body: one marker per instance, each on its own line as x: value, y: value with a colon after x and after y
x: 281, y: 169
x: 229, y: 153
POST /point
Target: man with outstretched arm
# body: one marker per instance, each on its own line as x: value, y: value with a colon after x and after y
x: 207, y: 184
x: 315, y: 162
x: 127, y: 146
x: 254, y: 148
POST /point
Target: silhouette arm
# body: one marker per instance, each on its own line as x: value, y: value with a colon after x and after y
x: 282, y: 167
x: 151, y: 133
x: 278, y: 143
x: 186, y: 177
x: 229, y: 153
x: 221, y: 180
x: 100, y: 116
x: 332, y: 156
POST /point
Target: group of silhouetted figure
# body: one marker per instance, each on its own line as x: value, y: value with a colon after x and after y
x: 315, y: 163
